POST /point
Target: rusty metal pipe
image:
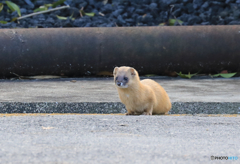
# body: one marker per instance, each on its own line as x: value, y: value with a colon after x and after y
x: 88, y: 51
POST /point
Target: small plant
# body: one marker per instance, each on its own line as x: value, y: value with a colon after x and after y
x: 224, y: 75
x: 150, y: 75
x: 12, y: 7
x: 82, y: 13
x: 48, y: 6
x: 189, y: 76
x: 65, y: 18
x: 171, y: 22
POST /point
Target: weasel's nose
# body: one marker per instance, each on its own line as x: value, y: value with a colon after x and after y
x: 118, y: 83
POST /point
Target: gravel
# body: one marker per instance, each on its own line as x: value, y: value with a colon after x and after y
x: 127, y: 13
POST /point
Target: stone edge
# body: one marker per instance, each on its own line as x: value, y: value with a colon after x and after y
x: 115, y: 107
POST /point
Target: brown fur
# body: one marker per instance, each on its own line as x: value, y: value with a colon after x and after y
x: 140, y: 97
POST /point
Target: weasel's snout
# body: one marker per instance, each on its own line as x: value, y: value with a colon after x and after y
x: 121, y: 81
x: 118, y: 83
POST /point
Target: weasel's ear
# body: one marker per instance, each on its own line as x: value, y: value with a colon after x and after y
x: 115, y: 71
x: 133, y: 72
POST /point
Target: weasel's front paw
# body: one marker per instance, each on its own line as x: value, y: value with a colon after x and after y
x: 146, y: 113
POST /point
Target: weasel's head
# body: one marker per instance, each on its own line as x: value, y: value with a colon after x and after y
x: 124, y: 76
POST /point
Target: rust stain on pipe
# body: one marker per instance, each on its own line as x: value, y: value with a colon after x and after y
x: 88, y: 51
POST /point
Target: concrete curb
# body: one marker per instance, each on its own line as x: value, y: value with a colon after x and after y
x: 116, y: 107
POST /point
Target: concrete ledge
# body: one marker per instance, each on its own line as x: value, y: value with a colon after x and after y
x: 94, y: 95
x: 116, y: 107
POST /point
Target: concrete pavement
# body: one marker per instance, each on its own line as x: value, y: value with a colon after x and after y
x: 105, y: 139
x: 99, y: 95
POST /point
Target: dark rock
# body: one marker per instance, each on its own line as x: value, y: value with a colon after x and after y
x: 116, y: 13
x: 184, y: 17
x: 88, y: 9
x: 35, y: 22
x: 164, y: 15
x: 13, y: 25
x: 111, y: 25
x: 196, y: 13
x: 221, y: 22
x: 50, y: 20
x: 126, y: 3
x: 224, y: 14
x: 128, y: 13
x: 146, y: 1
x: 125, y: 15
x: 83, y: 4
x: 194, y: 20
x: 140, y: 11
x: 169, y: 2
x: 29, y: 11
x: 234, y: 6
x: 205, y: 23
x: 78, y: 23
x: 217, y: 3
x: 38, y: 3
x: 102, y: 25
x: 129, y: 20
x: 107, y: 8
x: 99, y: 5
x: 216, y: 9
x: 23, y: 11
x: 88, y: 25
x: 6, y: 25
x: 30, y: 4
x: 205, y: 5
x: 134, y: 16
x: 214, y: 20
x: 197, y: 3
x: 147, y: 18
x: 130, y: 9
x: 229, y: 19
x: 154, y: 1
x: 7, y: 19
x: 229, y: 1
x: 177, y: 12
x: 41, y: 19
x: 236, y: 14
x: 153, y: 6
x: 72, y: 10
x: 234, y: 23
x: 58, y: 12
x: 121, y: 7
x: 14, y: 14
x: 120, y: 20
x: 91, y: 2
x: 204, y: 17
x: 190, y: 8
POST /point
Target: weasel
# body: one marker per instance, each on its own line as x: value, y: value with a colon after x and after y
x: 145, y: 97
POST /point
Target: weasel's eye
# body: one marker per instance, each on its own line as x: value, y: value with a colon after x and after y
x: 125, y: 78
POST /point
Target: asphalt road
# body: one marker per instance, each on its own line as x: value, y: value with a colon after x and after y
x: 117, y: 139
